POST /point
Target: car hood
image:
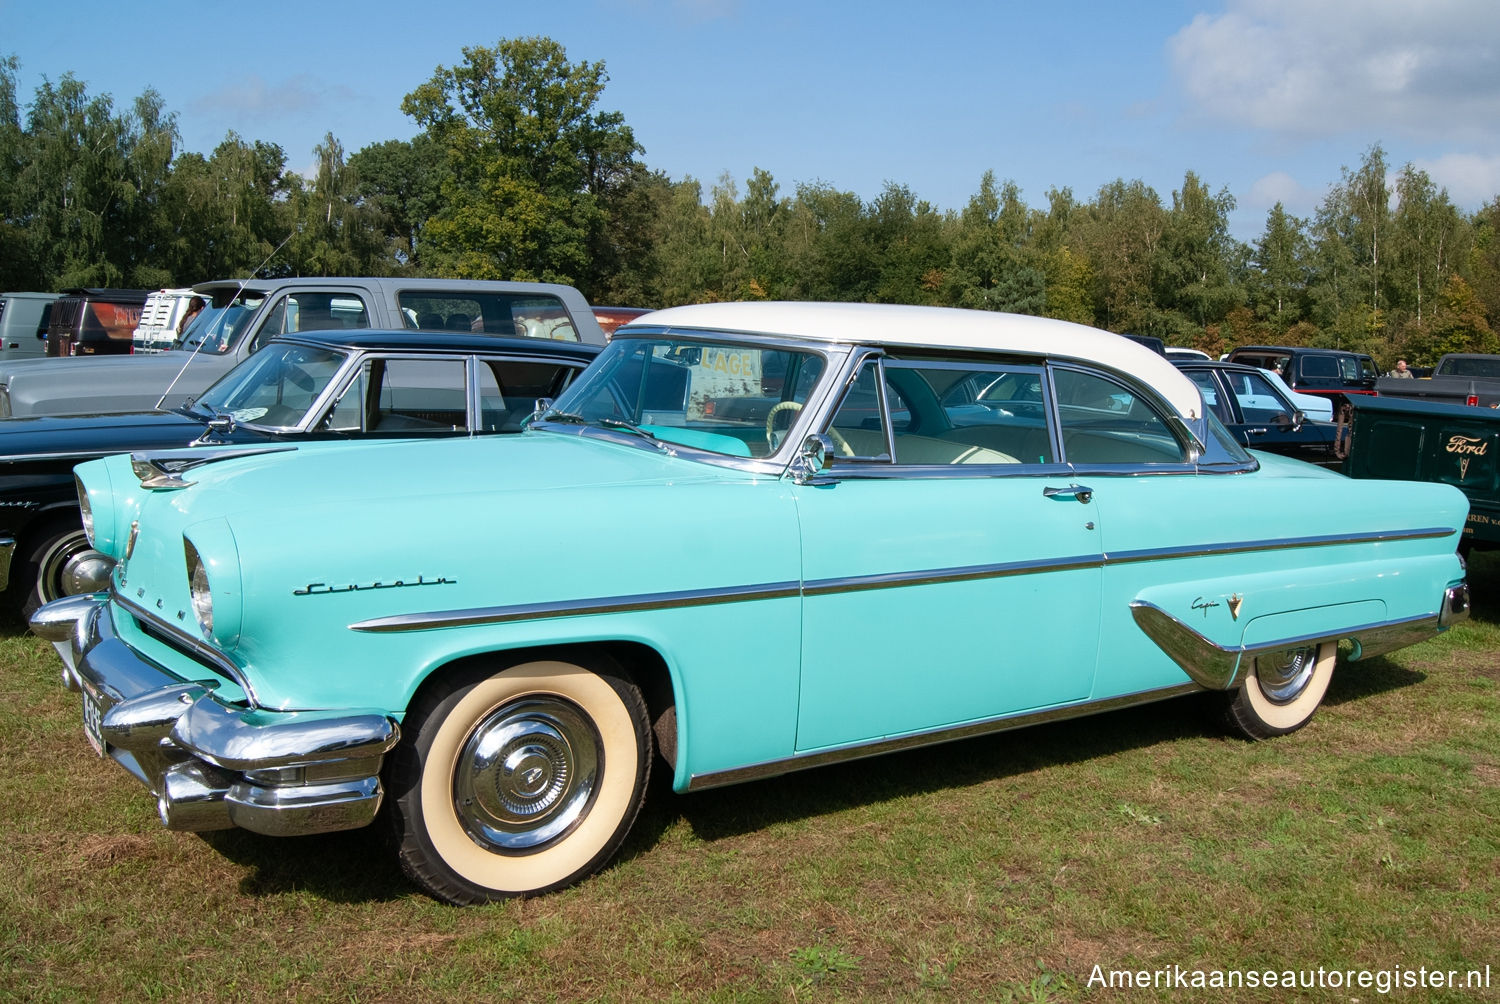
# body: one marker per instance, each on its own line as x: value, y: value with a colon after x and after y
x: 34, y: 437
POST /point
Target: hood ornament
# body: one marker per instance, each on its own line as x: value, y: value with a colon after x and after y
x: 1234, y: 605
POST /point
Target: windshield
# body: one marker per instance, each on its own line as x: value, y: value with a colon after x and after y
x: 725, y: 397
x: 275, y: 387
x: 216, y: 329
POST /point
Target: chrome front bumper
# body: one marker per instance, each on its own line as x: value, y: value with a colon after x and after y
x: 214, y: 765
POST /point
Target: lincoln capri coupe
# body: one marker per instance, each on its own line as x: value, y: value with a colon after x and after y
x: 749, y: 539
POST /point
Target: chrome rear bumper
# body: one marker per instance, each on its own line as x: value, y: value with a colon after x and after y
x: 211, y: 764
x: 1216, y: 667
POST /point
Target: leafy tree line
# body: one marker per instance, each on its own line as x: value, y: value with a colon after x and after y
x: 517, y: 173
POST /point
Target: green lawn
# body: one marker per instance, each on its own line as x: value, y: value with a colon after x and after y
x: 1005, y: 868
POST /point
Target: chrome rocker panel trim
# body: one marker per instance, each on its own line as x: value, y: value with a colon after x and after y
x: 931, y: 737
x: 210, y: 764
x: 1216, y: 667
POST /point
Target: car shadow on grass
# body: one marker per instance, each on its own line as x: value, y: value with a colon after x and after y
x: 351, y: 866
x: 359, y: 865
x: 744, y: 808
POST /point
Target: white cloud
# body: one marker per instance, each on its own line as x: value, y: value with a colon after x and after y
x: 253, y: 99
x: 1278, y: 186
x: 1470, y: 179
x: 1384, y: 67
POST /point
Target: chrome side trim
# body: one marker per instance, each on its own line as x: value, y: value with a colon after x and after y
x: 576, y: 608
x: 7, y: 552
x: 1217, y: 667
x: 1239, y: 547
x: 193, y: 646
x: 849, y: 584
x: 931, y: 737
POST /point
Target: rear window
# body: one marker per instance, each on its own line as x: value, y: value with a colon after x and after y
x: 521, y: 316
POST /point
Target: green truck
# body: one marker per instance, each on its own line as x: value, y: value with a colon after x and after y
x: 1409, y: 439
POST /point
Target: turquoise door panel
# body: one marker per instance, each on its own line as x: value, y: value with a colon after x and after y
x: 985, y: 603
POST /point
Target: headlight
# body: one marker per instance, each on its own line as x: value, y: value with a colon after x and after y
x: 202, y: 598
x: 85, y: 510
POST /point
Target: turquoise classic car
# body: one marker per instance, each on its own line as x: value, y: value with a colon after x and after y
x: 749, y: 539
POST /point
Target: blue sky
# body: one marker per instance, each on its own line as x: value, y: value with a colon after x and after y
x: 1269, y: 98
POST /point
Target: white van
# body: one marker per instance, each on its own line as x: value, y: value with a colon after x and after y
x: 160, y: 317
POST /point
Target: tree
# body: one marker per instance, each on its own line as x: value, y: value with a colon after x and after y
x: 1278, y: 279
x: 402, y: 180
x: 1121, y: 236
x: 1201, y: 261
x: 531, y: 159
x: 990, y: 265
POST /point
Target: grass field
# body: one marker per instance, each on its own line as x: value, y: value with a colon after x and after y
x: 1005, y: 868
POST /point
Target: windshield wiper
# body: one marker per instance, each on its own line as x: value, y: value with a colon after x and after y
x: 620, y: 423
x: 565, y: 417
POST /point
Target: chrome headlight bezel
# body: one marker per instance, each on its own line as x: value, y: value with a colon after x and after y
x: 215, y: 588
x: 85, y: 510
x: 200, y: 591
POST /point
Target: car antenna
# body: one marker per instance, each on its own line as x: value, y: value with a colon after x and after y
x: 243, y: 283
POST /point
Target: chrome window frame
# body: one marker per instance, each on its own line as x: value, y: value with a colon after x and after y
x: 835, y: 356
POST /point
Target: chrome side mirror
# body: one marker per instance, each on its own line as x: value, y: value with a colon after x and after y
x: 813, y: 458
x: 540, y: 408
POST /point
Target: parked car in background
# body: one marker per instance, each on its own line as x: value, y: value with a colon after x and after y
x: 750, y: 538
x: 243, y: 315
x: 1315, y: 407
x: 1177, y: 352
x: 1149, y: 341
x: 337, y: 385
x: 1411, y: 439
x: 1259, y: 415
x: 92, y: 321
x: 1337, y: 375
x: 23, y: 324
x: 162, y: 318
x: 610, y: 318
x: 1467, y: 378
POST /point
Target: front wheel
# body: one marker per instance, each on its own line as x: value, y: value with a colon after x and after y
x: 48, y: 569
x: 1281, y: 691
x: 518, y: 782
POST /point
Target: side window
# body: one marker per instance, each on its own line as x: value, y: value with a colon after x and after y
x: 1258, y: 400
x: 349, y: 411
x: 1103, y: 422
x: 1211, y: 396
x: 421, y: 395
x: 1320, y: 367
x: 859, y: 431
x: 943, y: 414
x: 509, y: 388
x: 306, y: 310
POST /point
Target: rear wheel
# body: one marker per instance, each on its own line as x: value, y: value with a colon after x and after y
x: 518, y: 782
x: 1281, y: 691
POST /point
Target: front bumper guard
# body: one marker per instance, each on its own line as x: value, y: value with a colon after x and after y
x: 213, y: 765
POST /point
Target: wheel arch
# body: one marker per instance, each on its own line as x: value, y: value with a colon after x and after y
x: 646, y: 667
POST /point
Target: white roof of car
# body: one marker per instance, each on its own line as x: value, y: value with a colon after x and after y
x: 948, y: 327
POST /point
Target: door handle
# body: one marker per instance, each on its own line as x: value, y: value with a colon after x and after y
x: 1256, y: 432
x: 1077, y: 493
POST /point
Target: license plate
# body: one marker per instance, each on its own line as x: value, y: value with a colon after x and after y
x: 91, y: 717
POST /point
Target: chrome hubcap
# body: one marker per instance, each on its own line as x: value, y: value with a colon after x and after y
x: 1284, y: 675
x: 527, y: 775
x: 54, y: 574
